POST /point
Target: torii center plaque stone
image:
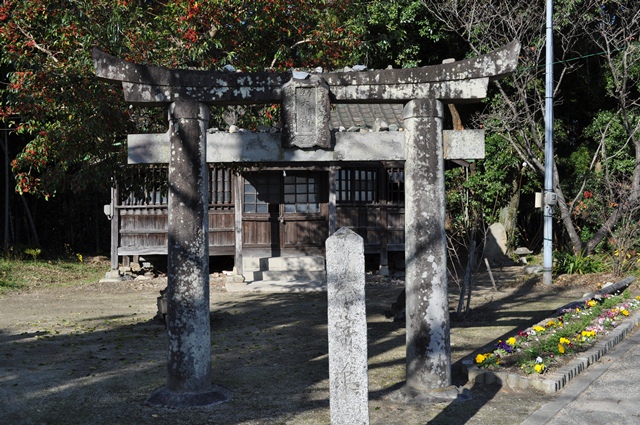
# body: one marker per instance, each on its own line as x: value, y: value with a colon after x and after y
x: 306, y: 137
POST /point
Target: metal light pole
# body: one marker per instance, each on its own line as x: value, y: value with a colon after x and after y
x: 549, y: 195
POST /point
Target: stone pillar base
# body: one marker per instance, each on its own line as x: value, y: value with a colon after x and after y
x: 112, y: 276
x: 164, y: 397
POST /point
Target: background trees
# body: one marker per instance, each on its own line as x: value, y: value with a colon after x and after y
x: 65, y: 145
x: 69, y: 129
x: 596, y: 93
x: 74, y: 121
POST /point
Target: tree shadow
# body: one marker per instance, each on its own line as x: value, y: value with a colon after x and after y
x: 271, y: 350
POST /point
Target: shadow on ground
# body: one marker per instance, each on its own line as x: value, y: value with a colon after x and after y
x: 76, y: 360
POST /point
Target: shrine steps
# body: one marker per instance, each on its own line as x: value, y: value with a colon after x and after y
x: 283, y: 274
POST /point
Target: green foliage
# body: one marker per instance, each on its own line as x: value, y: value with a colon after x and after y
x: 611, y: 127
x: 485, y: 189
x: 569, y: 263
x: 75, y: 125
x: 596, y: 87
x: 33, y: 253
x: 400, y: 33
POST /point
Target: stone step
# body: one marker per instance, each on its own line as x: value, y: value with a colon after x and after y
x: 313, y: 263
x: 285, y: 275
x: 294, y: 275
x: 285, y: 269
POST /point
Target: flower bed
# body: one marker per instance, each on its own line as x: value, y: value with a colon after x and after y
x: 546, y: 350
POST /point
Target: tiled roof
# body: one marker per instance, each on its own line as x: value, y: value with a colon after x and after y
x: 364, y: 115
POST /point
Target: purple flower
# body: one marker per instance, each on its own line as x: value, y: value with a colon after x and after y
x: 504, y: 346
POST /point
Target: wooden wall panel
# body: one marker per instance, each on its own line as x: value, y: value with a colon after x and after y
x: 257, y: 233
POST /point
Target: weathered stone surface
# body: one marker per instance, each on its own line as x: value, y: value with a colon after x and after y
x: 347, y: 327
x: 188, y: 251
x: 495, y: 249
x: 469, y: 90
x: 428, y: 340
x: 494, y: 65
x: 306, y: 114
x: 465, y: 79
x: 251, y: 147
x: 111, y: 68
x: 463, y: 144
x: 148, y: 148
x: 187, y: 320
x: 265, y: 147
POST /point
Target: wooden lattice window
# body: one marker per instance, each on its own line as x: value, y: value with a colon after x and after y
x: 144, y: 185
x: 221, y: 187
x: 395, y: 185
x: 260, y: 190
x: 147, y: 185
x: 357, y: 185
x: 301, y: 193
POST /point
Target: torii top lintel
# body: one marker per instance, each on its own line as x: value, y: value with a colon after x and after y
x: 454, y: 82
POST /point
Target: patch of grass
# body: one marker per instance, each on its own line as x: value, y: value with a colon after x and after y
x: 8, y: 281
x: 23, y: 274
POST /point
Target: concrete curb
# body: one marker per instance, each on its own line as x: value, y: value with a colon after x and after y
x: 557, y: 380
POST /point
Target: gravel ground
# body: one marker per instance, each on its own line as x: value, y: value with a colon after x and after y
x: 91, y: 354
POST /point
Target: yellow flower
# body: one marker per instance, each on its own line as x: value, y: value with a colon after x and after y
x: 588, y: 334
x: 638, y: 297
x: 550, y: 323
x: 592, y: 303
x: 560, y: 348
x: 538, y: 328
x: 480, y: 358
x: 564, y: 340
x: 625, y: 312
x: 511, y: 341
x: 539, y: 367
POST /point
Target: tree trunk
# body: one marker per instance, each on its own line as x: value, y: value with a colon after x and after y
x: 32, y: 226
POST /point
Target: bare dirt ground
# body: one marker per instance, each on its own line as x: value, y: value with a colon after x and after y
x: 91, y: 354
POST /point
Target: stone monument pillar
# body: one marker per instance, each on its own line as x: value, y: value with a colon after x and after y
x: 347, y: 329
x: 188, y: 327
x: 428, y: 342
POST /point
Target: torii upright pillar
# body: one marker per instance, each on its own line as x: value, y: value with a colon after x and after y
x: 428, y: 362
x: 188, y: 327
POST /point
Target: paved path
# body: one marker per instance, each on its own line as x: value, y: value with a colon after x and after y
x: 606, y: 393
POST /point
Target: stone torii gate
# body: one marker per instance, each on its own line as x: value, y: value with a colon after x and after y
x: 306, y: 137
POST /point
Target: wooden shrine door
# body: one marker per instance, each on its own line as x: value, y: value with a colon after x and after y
x: 285, y: 212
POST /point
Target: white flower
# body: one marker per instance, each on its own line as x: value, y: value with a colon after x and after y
x: 538, y: 359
